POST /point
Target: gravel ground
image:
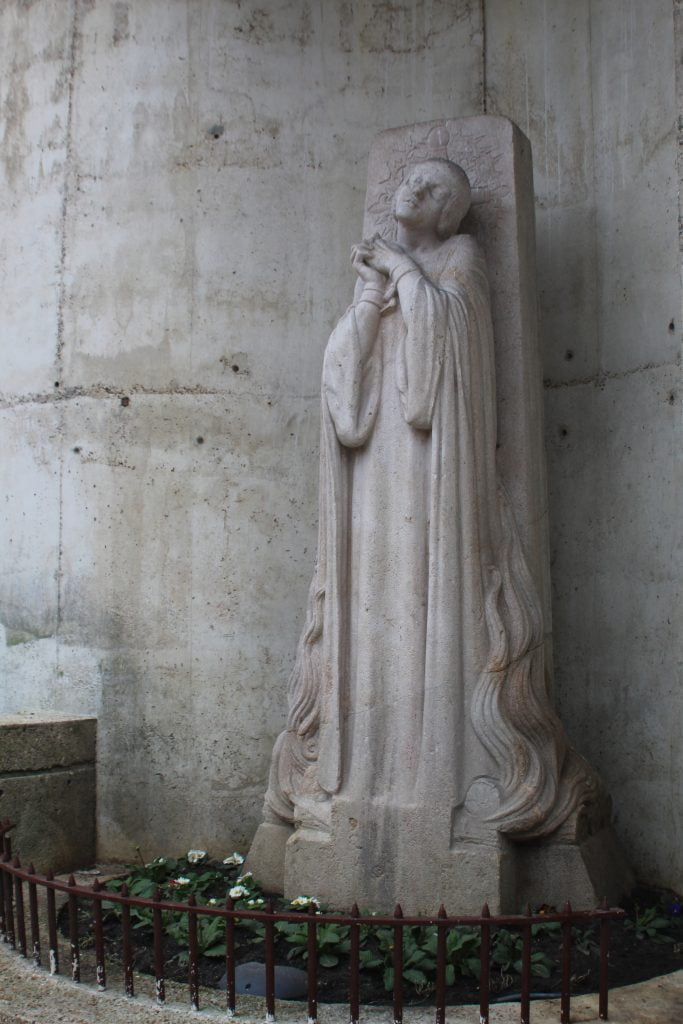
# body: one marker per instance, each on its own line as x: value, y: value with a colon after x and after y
x: 30, y: 996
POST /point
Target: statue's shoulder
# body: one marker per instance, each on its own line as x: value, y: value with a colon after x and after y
x: 461, y: 254
x: 463, y: 248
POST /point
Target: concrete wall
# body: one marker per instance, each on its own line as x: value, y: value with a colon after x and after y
x: 594, y: 87
x: 180, y: 183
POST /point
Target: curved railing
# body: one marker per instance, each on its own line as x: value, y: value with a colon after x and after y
x: 14, y: 880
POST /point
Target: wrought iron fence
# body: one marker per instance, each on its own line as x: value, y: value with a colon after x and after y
x: 14, y: 880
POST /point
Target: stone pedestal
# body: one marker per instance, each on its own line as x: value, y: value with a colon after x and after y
x: 369, y: 857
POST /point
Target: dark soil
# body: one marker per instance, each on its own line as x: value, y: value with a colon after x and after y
x: 633, y: 957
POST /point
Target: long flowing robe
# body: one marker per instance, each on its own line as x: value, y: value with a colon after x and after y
x: 420, y: 669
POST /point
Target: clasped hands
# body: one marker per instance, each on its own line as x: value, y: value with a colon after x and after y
x: 375, y: 259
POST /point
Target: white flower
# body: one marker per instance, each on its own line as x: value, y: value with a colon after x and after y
x: 245, y: 877
x: 238, y: 892
x: 214, y: 902
x: 157, y: 860
x: 234, y: 859
x: 305, y: 901
x: 255, y: 903
x: 196, y: 856
x: 181, y: 880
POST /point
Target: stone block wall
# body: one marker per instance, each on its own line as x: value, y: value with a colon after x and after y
x: 47, y: 788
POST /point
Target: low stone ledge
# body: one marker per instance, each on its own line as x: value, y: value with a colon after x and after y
x: 30, y: 743
x: 47, y: 779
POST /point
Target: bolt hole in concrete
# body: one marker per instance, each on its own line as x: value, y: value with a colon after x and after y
x: 563, y: 431
x: 200, y: 440
x: 216, y: 130
x: 672, y: 326
x: 77, y: 450
x: 569, y: 355
x: 56, y: 383
x: 672, y: 398
x: 235, y: 368
x: 125, y: 401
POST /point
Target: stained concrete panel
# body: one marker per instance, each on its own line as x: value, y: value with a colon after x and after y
x: 222, y: 270
x: 34, y: 99
x: 617, y: 598
x: 29, y: 521
x: 194, y: 492
x: 594, y: 87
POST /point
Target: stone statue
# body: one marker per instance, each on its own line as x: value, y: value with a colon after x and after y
x: 419, y: 721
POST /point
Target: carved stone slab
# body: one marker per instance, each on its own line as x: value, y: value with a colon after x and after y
x: 496, y: 157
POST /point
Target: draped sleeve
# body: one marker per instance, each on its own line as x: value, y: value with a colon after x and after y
x: 351, y: 383
x: 421, y: 352
x: 438, y: 312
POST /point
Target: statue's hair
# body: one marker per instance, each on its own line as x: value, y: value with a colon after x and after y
x: 459, y: 201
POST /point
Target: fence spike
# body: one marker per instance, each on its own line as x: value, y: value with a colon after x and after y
x: 159, y: 966
x: 126, y: 945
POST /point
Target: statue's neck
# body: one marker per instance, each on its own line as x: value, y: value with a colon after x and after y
x: 417, y: 241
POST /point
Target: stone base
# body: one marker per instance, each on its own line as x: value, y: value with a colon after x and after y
x: 584, y: 872
x: 266, y: 857
x: 377, y: 855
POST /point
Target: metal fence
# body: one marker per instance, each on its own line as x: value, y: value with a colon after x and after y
x: 15, y: 882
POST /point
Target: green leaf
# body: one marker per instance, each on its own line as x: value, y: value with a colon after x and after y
x: 144, y: 888
x: 543, y: 928
x: 368, y: 960
x: 450, y: 974
x: 215, y: 950
x: 327, y: 960
x: 388, y: 978
x: 473, y: 966
x: 414, y: 976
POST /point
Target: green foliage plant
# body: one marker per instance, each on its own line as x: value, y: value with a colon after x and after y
x: 649, y: 924
x: 209, y: 883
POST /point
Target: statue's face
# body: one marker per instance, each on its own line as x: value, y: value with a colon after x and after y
x: 421, y: 198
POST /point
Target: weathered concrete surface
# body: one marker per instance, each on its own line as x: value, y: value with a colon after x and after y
x: 47, y: 780
x: 29, y: 996
x: 179, y: 185
x: 594, y: 87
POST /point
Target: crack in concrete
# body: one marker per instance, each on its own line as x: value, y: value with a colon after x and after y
x: 484, y: 82
x: 600, y: 379
x: 107, y: 391
x: 55, y: 769
x: 68, y: 146
x: 61, y: 299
